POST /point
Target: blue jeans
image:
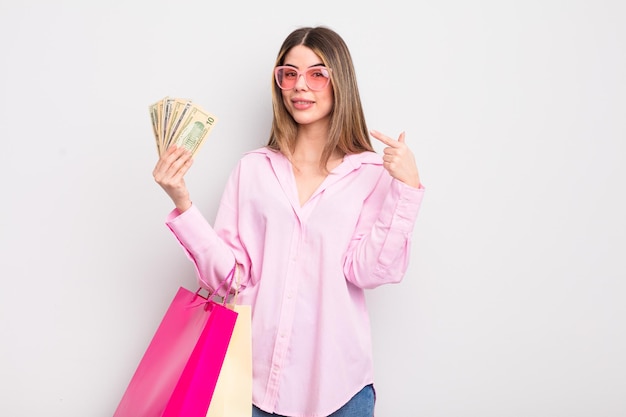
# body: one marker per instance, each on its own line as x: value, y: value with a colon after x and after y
x: 361, y: 405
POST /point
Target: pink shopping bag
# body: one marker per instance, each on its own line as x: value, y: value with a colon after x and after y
x: 179, y: 370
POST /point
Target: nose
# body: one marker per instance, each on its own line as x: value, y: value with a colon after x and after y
x: 301, y: 82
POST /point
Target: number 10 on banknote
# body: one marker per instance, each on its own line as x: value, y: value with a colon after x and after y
x: 180, y: 122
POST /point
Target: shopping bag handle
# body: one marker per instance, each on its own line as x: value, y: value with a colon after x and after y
x: 229, y: 278
x: 236, y: 279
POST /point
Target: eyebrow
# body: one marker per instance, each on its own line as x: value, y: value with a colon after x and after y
x: 310, y: 66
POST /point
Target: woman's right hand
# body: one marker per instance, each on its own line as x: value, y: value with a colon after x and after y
x: 169, y: 173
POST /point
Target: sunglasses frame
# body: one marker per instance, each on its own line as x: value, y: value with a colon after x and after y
x: 299, y: 74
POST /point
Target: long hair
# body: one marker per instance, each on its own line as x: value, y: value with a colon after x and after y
x: 348, y: 131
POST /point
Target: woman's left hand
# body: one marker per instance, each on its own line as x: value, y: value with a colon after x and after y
x: 398, y: 159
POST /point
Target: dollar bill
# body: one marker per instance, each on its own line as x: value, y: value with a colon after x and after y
x: 178, y: 114
x: 194, y: 129
x: 165, y: 119
x: 180, y: 122
x: 156, y: 124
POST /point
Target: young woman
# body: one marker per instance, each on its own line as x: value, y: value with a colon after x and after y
x: 313, y: 219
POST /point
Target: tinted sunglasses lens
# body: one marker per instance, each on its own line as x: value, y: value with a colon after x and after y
x: 286, y: 77
x: 317, y: 78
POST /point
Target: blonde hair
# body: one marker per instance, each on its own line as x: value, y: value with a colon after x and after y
x: 348, y: 131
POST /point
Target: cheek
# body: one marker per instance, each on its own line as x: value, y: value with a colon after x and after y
x: 286, y: 100
x: 329, y: 100
x: 329, y: 94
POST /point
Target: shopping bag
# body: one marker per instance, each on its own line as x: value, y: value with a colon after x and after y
x: 233, y: 393
x: 179, y: 370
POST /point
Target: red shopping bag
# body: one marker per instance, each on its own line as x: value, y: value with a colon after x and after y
x: 179, y: 370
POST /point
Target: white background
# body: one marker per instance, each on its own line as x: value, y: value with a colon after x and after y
x: 514, y: 304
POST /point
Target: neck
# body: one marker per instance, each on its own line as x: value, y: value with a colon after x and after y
x: 309, y: 144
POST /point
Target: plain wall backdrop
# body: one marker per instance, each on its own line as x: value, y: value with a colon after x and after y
x: 514, y: 303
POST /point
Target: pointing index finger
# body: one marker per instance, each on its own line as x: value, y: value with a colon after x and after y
x: 384, y: 139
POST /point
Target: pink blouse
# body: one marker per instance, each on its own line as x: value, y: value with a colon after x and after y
x: 304, y: 271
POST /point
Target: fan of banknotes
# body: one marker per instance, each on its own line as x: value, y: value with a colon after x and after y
x: 180, y: 122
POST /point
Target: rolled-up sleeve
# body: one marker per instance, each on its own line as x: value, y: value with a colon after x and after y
x: 212, y: 258
x: 380, y: 249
